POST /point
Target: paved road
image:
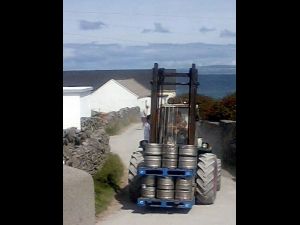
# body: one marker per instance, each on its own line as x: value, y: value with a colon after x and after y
x: 222, y: 212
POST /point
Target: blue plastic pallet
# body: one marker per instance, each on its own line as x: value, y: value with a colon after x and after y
x: 154, y: 202
x: 165, y: 172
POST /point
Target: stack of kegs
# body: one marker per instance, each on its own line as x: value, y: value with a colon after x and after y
x: 148, y: 188
x: 187, y: 157
x: 152, y: 155
x: 165, y: 188
x: 169, y: 156
x: 184, y: 188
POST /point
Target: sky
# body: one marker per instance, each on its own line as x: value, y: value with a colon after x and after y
x: 133, y: 34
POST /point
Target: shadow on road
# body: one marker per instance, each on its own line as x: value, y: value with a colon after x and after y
x: 123, y: 198
x: 231, y: 170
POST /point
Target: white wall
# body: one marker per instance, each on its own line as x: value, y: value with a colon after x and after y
x: 85, y: 107
x: 71, y: 111
x: 76, y: 104
x: 112, y: 97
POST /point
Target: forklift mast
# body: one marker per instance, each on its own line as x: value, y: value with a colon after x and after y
x: 159, y: 81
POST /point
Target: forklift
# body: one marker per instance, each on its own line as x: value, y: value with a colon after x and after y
x: 190, y: 162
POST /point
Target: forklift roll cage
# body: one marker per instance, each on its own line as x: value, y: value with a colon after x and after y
x: 158, y: 82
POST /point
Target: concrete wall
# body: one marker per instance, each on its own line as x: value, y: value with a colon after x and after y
x: 229, y: 141
x: 85, y: 106
x: 112, y: 97
x: 76, y: 104
x: 71, y: 111
x: 78, y: 197
x: 221, y: 136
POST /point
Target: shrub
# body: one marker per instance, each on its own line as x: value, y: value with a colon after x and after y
x: 107, y: 181
x: 112, y: 170
x: 214, y: 109
x: 229, y: 104
x: 206, y: 106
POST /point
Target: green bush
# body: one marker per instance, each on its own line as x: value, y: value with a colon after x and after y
x: 223, y: 109
x: 112, y: 170
x: 229, y: 103
x: 214, y: 109
x: 107, y: 181
x: 206, y: 106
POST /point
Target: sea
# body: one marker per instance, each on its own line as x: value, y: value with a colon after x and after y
x: 214, y: 81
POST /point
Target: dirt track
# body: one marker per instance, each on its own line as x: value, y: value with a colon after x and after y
x: 122, y: 211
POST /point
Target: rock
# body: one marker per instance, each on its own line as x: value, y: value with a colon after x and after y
x: 65, y: 141
x: 77, y: 140
x: 87, y: 149
x: 71, y: 134
x: 88, y: 133
x: 83, y: 136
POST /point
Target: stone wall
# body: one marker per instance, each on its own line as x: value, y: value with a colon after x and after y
x: 222, y: 137
x: 86, y: 149
x: 123, y: 116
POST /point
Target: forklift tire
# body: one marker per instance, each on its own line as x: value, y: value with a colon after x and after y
x: 219, y: 164
x: 134, y: 181
x: 206, y: 179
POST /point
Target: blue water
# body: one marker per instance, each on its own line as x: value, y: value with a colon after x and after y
x: 215, y: 81
x: 217, y: 86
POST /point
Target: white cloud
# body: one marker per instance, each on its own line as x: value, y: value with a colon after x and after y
x: 113, y: 56
x: 227, y: 33
x: 68, y: 53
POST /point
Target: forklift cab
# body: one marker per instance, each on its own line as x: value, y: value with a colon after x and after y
x: 173, y: 124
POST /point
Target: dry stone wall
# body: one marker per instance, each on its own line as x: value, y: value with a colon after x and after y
x: 86, y: 149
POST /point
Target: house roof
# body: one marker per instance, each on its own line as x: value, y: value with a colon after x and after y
x: 137, y: 81
x: 76, y: 89
x: 135, y: 87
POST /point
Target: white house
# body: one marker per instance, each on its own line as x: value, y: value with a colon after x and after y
x: 117, y: 94
x: 76, y: 104
x: 116, y: 89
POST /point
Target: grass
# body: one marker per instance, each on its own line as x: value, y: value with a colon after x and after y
x: 107, y: 181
